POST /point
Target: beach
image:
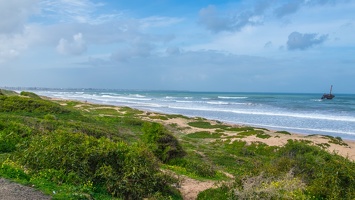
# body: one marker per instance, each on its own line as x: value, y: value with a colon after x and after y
x: 297, y: 113
x: 345, y: 148
x: 142, y: 100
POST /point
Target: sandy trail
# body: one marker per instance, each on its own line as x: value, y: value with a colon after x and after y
x: 14, y: 191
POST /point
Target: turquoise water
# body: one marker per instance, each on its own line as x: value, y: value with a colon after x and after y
x: 298, y: 113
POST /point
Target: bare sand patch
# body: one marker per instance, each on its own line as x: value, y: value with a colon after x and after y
x: 190, y: 188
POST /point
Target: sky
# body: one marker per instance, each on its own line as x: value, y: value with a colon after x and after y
x: 297, y: 46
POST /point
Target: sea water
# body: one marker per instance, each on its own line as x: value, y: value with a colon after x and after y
x: 297, y: 113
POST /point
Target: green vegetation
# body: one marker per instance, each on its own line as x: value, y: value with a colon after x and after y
x: 161, y: 117
x: 7, y: 92
x: 176, y: 116
x: 30, y: 94
x: 257, y: 133
x: 206, y: 125
x: 204, y: 134
x: 86, y: 151
x: 335, y: 140
x: 283, y: 132
x: 163, y: 144
x: 24, y: 105
x: 296, y: 171
x: 79, y: 155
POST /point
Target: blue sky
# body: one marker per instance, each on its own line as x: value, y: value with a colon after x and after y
x: 200, y: 45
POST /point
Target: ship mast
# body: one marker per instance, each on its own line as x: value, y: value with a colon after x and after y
x: 331, y: 87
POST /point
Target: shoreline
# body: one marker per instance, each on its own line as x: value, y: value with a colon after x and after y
x: 272, y: 128
x: 310, y: 117
x: 343, y: 147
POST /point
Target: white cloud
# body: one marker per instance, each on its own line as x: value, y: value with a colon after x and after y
x: 156, y: 21
x: 173, y: 51
x: 6, y: 54
x: 216, y: 22
x: 256, y: 13
x: 288, y: 8
x: 268, y: 44
x: 15, y: 34
x: 12, y: 45
x: 78, y: 11
x: 14, y: 14
x: 245, y: 43
x: 75, y: 47
x: 301, y: 41
x: 136, y: 49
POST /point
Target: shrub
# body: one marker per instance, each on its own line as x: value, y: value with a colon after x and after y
x: 7, y: 93
x: 29, y: 105
x: 200, y: 169
x: 238, y: 129
x: 50, y: 117
x: 8, y: 142
x: 12, y: 170
x: 164, y: 145
x: 283, y: 132
x: 161, y: 117
x: 206, y: 125
x: 11, y: 133
x: 327, y: 176
x: 58, y: 176
x: 263, y: 187
x: 130, y: 172
x: 30, y: 94
x: 132, y: 121
x: 204, y: 134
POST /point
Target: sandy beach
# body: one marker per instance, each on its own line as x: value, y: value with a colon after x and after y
x: 345, y: 149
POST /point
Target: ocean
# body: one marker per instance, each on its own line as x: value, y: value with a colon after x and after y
x: 296, y: 113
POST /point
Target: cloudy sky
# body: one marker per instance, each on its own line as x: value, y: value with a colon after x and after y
x: 198, y: 45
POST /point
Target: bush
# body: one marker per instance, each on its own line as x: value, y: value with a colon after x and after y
x: 30, y: 105
x: 200, y: 169
x: 283, y: 132
x: 204, y: 134
x: 59, y: 176
x: 130, y: 172
x: 132, y: 121
x: 7, y: 93
x: 327, y: 175
x: 297, y: 170
x: 30, y: 94
x: 206, y: 125
x: 11, y: 133
x: 12, y: 170
x: 164, y: 145
x: 8, y: 142
x: 264, y: 187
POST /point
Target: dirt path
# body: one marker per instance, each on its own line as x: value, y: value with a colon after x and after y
x: 14, y: 191
x: 190, y: 188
